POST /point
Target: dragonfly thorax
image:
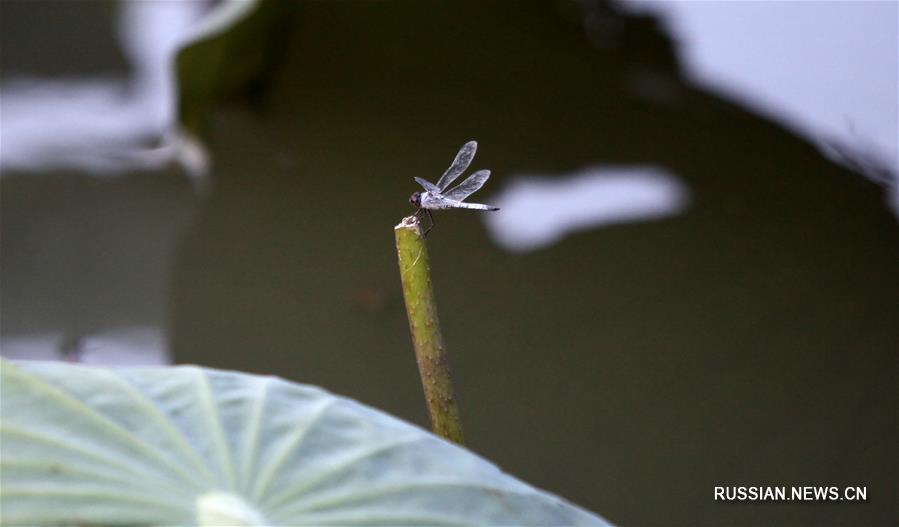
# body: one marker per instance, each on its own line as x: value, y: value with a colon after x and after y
x: 429, y: 200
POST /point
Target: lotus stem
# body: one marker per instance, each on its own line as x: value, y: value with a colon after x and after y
x: 430, y: 350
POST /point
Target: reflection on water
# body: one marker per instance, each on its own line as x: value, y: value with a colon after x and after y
x: 121, y: 347
x: 827, y: 70
x: 100, y: 127
x: 85, y: 264
x: 538, y: 211
x: 105, y: 125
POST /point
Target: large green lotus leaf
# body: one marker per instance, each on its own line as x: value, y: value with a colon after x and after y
x: 188, y: 445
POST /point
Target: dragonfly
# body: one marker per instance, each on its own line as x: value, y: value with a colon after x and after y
x: 437, y: 197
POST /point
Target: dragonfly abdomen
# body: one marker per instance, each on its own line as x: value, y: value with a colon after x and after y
x: 474, y: 206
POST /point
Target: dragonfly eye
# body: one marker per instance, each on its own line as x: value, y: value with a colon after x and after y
x: 415, y: 199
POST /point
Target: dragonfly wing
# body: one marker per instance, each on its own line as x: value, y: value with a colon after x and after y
x: 469, y: 186
x: 463, y: 159
x: 427, y: 185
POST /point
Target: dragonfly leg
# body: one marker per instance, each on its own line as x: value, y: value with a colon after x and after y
x: 430, y: 221
x: 420, y: 214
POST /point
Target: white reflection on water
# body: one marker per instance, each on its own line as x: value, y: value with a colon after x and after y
x: 538, y: 211
x: 826, y: 70
x: 106, y: 125
x: 120, y: 347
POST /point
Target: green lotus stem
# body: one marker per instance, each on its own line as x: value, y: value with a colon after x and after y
x: 430, y: 351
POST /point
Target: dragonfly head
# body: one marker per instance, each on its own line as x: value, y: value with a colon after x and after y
x: 415, y: 199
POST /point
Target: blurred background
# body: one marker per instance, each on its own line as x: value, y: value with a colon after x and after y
x: 692, y: 281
